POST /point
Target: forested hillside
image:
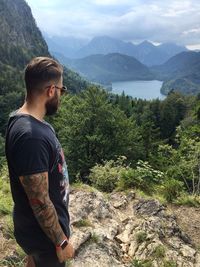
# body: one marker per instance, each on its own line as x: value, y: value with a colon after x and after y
x: 20, y: 41
x: 108, y: 68
x: 181, y: 73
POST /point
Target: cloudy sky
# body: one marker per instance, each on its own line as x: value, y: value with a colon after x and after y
x: 130, y: 20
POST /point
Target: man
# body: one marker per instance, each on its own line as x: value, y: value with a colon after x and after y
x: 37, y: 169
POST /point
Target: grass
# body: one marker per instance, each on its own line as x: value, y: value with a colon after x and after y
x: 6, y: 202
x: 159, y: 252
x: 80, y: 185
x: 141, y: 237
x: 83, y: 223
x: 169, y: 263
x: 15, y: 260
x: 141, y: 263
x: 188, y: 200
x: 8, y: 228
x: 94, y: 238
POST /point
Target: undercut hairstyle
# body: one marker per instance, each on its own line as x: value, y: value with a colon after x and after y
x: 39, y: 72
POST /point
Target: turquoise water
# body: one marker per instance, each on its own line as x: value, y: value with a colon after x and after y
x: 141, y: 89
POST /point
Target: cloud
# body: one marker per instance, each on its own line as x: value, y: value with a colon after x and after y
x: 130, y: 20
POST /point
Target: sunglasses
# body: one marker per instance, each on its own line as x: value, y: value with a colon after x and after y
x: 62, y: 89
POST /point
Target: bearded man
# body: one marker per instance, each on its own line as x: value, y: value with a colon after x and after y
x: 37, y: 169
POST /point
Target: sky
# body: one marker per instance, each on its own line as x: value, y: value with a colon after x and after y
x: 158, y: 21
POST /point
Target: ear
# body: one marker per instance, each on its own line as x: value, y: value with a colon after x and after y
x: 51, y: 91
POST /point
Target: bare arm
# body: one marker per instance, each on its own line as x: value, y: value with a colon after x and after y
x: 36, y: 188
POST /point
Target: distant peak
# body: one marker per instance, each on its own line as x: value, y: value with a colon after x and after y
x: 146, y: 43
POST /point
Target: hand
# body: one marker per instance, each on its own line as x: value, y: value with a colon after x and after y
x: 66, y: 253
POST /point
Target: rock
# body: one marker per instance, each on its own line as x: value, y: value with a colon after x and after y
x: 79, y: 238
x: 94, y: 255
x: 118, y: 200
x: 132, y: 248
x: 149, y: 207
x: 187, y: 252
x: 197, y: 260
x: 125, y: 235
x: 174, y: 242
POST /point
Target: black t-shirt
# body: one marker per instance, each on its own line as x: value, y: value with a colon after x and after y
x: 32, y: 147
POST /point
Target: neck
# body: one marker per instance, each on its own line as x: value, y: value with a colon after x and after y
x: 35, y: 109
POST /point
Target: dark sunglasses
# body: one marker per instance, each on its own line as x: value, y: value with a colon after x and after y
x: 63, y: 89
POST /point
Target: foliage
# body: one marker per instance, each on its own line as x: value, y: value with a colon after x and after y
x: 188, y: 200
x: 159, y: 252
x: 83, y: 223
x: 105, y: 177
x: 171, y: 189
x: 92, y: 130
x: 141, y: 237
x: 6, y: 203
x: 142, y: 263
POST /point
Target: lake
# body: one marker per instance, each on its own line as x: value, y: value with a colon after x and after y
x: 141, y: 89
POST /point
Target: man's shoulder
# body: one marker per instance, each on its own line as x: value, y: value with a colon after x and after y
x: 29, y: 127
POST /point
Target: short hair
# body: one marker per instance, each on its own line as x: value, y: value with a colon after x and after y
x: 38, y: 72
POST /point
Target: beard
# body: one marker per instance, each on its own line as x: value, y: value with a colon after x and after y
x: 52, y: 105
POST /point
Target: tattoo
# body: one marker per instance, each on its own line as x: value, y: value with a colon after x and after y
x: 36, y: 188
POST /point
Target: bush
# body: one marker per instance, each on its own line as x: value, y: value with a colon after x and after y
x: 171, y: 189
x: 144, y: 177
x: 106, y: 177
x: 141, y: 237
x: 129, y: 178
x: 159, y: 252
x: 188, y: 200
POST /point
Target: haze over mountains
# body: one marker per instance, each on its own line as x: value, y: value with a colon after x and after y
x: 146, y: 52
x: 105, y: 60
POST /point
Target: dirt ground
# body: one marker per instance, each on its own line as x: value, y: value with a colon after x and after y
x: 188, y: 218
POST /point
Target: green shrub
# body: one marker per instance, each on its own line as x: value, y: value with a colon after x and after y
x: 129, y: 178
x: 105, y: 177
x: 188, y: 200
x: 144, y: 177
x: 159, y: 252
x: 6, y: 202
x: 141, y: 237
x: 171, y: 189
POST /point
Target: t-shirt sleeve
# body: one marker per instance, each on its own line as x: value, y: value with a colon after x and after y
x: 31, y: 157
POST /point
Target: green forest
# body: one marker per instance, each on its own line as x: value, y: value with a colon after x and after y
x: 115, y: 142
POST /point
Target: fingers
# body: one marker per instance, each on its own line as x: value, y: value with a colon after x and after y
x: 65, y: 254
x: 60, y: 255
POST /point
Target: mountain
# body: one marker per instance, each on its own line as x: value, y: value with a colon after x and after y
x: 105, y: 45
x: 171, y: 49
x: 111, y: 67
x: 68, y: 46
x: 181, y: 73
x: 149, y: 54
x: 146, y: 52
x: 20, y: 41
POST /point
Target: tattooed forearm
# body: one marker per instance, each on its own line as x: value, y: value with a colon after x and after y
x: 36, y: 188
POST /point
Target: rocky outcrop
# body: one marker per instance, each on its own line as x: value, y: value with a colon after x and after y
x: 121, y: 230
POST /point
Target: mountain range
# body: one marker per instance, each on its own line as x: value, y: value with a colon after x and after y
x: 181, y: 73
x: 181, y: 70
x: 105, y: 69
x: 146, y: 52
